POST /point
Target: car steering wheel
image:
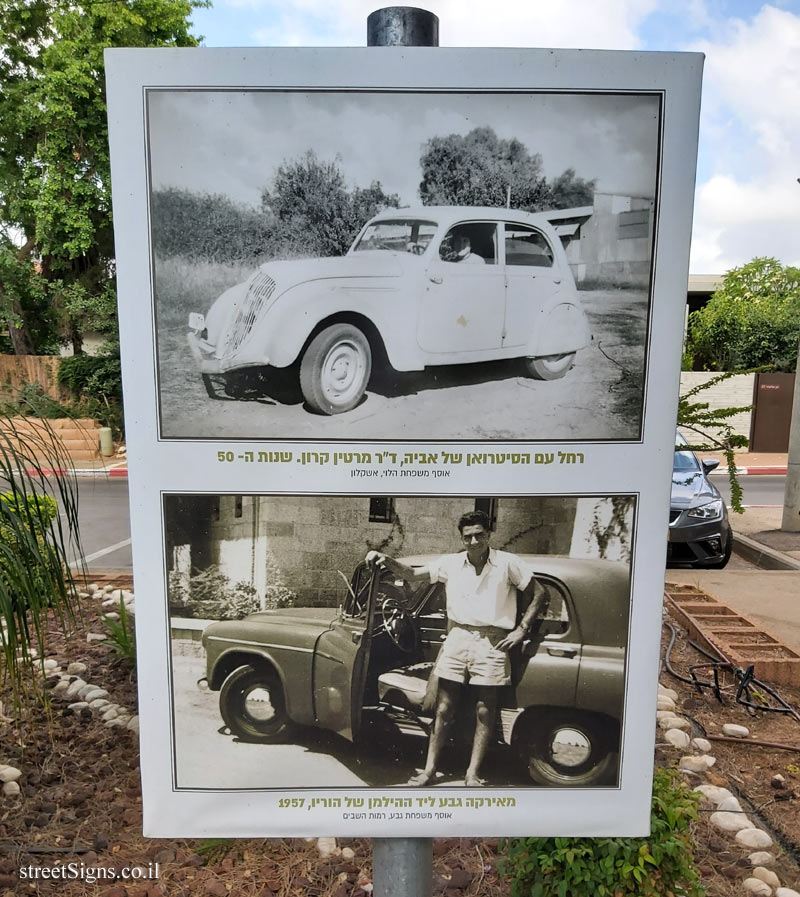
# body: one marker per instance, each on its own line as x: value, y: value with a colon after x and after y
x: 416, y: 248
x: 398, y: 624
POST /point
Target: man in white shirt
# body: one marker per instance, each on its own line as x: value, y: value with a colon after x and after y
x: 481, y: 586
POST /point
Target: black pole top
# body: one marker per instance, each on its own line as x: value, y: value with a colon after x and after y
x: 402, y: 26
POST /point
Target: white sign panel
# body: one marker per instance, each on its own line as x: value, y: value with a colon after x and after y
x: 401, y: 337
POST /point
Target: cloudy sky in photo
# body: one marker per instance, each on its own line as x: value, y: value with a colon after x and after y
x: 379, y: 137
x: 748, y: 196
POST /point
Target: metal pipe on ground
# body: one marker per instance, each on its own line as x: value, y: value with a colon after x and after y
x: 402, y: 867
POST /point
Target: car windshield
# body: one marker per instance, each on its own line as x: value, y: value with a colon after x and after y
x: 391, y: 586
x: 398, y: 235
x: 685, y: 461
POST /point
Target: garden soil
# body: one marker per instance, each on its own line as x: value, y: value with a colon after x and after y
x: 81, y: 803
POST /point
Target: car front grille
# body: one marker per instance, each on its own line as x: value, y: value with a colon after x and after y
x: 260, y: 288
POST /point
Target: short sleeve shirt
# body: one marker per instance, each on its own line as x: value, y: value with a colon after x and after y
x: 485, y: 599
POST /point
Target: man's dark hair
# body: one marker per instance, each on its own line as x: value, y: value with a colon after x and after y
x: 474, y: 518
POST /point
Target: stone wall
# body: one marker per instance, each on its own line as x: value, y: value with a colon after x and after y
x: 735, y: 392
x: 312, y: 542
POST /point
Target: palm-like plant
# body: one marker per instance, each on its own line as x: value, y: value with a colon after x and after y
x: 38, y: 537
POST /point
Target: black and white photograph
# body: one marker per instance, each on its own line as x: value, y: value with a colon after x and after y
x: 398, y: 264
x: 354, y: 641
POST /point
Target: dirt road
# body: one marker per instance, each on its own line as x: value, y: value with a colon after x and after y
x: 600, y: 398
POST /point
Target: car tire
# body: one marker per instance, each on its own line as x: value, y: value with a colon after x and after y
x: 549, y: 367
x: 253, y: 705
x: 537, y: 746
x: 335, y: 369
x: 726, y: 556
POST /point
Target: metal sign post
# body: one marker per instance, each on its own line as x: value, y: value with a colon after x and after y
x: 402, y: 867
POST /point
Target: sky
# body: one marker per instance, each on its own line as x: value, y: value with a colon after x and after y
x: 747, y: 200
x: 610, y: 139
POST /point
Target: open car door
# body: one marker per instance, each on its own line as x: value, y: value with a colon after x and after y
x: 341, y: 657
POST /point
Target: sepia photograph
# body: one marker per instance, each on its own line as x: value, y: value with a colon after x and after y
x: 330, y: 641
x: 366, y: 264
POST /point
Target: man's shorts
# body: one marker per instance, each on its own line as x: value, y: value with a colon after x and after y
x: 469, y: 655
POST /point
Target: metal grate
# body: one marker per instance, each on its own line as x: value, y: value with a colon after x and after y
x: 260, y: 288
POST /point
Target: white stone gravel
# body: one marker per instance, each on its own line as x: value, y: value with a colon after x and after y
x: 732, y: 730
x: 786, y: 892
x: 767, y: 876
x: 761, y: 858
x: 730, y: 822
x: 9, y: 774
x: 714, y: 793
x: 94, y: 636
x: 754, y: 838
x: 729, y: 805
x: 10, y: 789
x: 677, y: 738
x: 697, y: 763
x: 667, y: 692
x: 674, y: 722
x: 757, y: 887
x: 701, y: 744
x: 665, y: 703
x: 78, y: 705
x: 75, y: 686
x: 76, y: 668
x: 94, y: 694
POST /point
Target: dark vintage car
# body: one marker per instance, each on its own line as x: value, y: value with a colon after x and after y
x: 699, y: 531
x: 363, y: 669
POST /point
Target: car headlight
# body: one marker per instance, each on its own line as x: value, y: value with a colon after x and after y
x: 710, y: 511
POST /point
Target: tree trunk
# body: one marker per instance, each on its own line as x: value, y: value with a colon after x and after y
x: 21, y: 339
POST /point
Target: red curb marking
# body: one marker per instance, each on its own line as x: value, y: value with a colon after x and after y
x: 118, y: 472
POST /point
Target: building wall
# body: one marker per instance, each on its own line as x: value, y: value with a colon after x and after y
x: 614, y: 244
x: 735, y: 392
x: 312, y: 544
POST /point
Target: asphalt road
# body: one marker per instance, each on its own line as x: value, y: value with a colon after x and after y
x: 105, y: 526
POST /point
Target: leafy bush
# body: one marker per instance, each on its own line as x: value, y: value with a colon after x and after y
x: 96, y: 383
x: 36, y: 545
x: 33, y: 401
x: 211, y: 596
x: 751, y: 320
x: 121, y: 634
x: 661, y: 864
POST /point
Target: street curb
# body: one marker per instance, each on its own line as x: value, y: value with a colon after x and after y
x: 78, y: 472
x: 755, y: 471
x: 751, y: 471
x: 762, y: 556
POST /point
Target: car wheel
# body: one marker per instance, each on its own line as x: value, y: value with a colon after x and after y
x: 335, y: 369
x: 210, y: 385
x: 549, y: 367
x: 253, y: 706
x: 726, y: 556
x: 566, y: 747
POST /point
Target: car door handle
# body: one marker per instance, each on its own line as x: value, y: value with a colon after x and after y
x: 562, y: 652
x: 435, y: 279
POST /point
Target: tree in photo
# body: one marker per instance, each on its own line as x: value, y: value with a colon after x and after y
x: 751, y: 321
x: 312, y: 210
x: 481, y: 169
x: 56, y: 249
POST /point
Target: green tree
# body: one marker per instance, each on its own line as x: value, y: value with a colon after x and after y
x: 751, y: 321
x: 479, y: 168
x: 55, y: 189
x: 313, y: 211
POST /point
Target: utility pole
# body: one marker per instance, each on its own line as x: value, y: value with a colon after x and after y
x: 402, y: 867
x: 791, y: 496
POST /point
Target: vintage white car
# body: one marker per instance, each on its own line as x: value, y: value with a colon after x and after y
x: 433, y: 285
